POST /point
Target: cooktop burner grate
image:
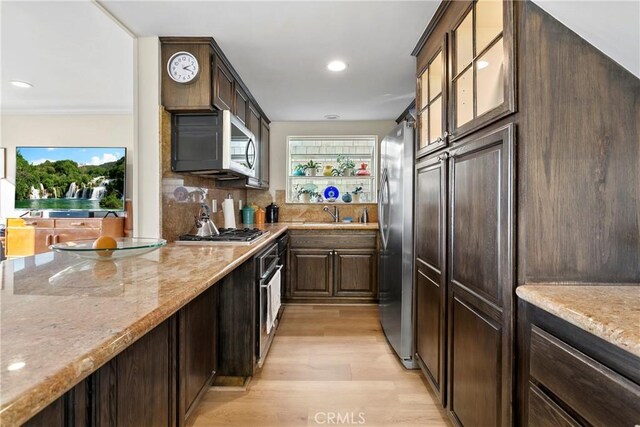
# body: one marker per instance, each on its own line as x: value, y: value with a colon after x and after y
x: 227, y: 235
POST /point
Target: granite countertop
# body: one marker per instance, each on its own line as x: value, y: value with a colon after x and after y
x: 610, y: 312
x: 62, y: 317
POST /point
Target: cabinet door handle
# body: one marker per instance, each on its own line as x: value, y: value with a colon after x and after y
x: 31, y: 223
x: 47, y: 241
x: 77, y: 224
x: 445, y: 134
x: 56, y: 239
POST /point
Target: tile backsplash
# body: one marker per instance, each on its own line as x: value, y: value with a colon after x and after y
x: 183, y: 194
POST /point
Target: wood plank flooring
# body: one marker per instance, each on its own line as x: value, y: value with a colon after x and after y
x: 328, y: 365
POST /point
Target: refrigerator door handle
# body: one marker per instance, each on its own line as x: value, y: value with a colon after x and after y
x: 382, y: 221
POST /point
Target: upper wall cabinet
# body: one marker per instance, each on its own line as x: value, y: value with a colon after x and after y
x: 432, y: 102
x: 199, y: 78
x: 465, y: 71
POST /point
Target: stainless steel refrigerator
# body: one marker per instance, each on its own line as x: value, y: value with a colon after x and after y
x: 395, y: 258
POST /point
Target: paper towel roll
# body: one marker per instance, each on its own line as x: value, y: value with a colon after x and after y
x: 229, y: 213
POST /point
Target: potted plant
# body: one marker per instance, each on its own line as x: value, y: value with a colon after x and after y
x: 346, y: 165
x: 356, y: 194
x: 312, y: 168
x: 315, y: 197
x: 299, y: 170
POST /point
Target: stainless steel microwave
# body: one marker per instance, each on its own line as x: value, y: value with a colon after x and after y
x: 214, y: 144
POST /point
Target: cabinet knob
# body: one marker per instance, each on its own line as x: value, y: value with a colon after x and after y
x: 444, y: 156
x: 445, y: 134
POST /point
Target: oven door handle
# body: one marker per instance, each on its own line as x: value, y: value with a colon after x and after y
x: 270, y: 276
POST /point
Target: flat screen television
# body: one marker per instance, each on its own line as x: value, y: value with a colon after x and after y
x: 70, y: 178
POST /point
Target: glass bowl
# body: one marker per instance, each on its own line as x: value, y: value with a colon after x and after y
x: 127, y: 247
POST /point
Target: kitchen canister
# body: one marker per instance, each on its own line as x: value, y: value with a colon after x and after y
x: 248, y: 215
x: 260, y: 216
x: 272, y: 213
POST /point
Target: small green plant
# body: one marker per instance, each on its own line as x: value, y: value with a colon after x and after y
x: 337, y: 172
x: 358, y: 190
x: 299, y: 169
x: 345, y: 162
x: 311, y: 165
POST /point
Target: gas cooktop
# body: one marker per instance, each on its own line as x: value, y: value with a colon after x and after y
x: 228, y: 236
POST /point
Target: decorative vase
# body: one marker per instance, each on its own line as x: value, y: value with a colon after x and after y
x: 327, y: 170
x: 347, y: 198
x: 348, y: 172
x: 306, y: 198
x: 311, y: 172
x: 356, y: 197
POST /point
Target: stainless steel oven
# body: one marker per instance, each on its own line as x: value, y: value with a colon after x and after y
x: 268, y: 289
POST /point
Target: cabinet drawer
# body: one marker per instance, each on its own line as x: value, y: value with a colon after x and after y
x: 341, y: 240
x: 78, y: 223
x: 30, y: 222
x: 595, y: 392
x: 543, y: 412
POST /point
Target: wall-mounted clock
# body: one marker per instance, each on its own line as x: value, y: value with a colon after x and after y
x: 183, y: 67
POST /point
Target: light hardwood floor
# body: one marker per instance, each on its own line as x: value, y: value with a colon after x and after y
x: 328, y: 365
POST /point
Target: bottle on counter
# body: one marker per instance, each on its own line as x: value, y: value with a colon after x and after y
x: 260, y: 216
x: 365, y: 216
x: 272, y: 213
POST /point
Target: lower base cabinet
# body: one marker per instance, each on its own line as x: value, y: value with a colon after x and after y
x: 159, y: 379
x: 198, y: 348
x: 339, y: 266
x: 137, y: 388
x: 568, y: 377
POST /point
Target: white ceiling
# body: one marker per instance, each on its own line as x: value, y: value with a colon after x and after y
x: 77, y: 58
x: 281, y: 49
x: 613, y: 26
x: 80, y: 61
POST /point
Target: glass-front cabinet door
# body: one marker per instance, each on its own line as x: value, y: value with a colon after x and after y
x: 432, y: 103
x: 482, y: 77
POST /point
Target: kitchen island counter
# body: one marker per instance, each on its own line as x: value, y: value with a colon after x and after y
x: 63, y: 317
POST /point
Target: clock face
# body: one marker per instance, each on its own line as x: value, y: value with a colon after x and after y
x: 182, y: 67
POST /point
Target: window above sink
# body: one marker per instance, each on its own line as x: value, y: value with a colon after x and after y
x: 332, y: 169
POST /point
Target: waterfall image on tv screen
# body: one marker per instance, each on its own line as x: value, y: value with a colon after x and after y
x: 85, y: 178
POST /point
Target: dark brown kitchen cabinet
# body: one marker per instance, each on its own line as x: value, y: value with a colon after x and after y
x: 430, y: 285
x: 480, y: 278
x: 197, y: 343
x: 241, y: 104
x: 482, y: 59
x: 432, y: 101
x: 569, y: 377
x: 223, y: 85
x: 355, y: 272
x: 138, y: 386
x: 339, y: 266
x: 263, y: 165
x: 311, y: 273
x: 71, y: 409
x: 475, y: 42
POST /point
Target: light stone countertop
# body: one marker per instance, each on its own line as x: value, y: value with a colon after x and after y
x: 609, y: 312
x: 63, y: 317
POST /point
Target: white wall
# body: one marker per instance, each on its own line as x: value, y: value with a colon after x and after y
x: 279, y: 131
x: 61, y: 131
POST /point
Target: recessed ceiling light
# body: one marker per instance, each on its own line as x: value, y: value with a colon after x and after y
x: 337, y: 66
x: 332, y: 116
x: 18, y: 83
x: 482, y: 64
x: 15, y: 366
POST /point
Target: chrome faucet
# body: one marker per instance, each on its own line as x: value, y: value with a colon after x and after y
x: 335, y: 215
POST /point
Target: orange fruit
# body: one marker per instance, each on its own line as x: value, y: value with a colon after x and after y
x: 105, y: 242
